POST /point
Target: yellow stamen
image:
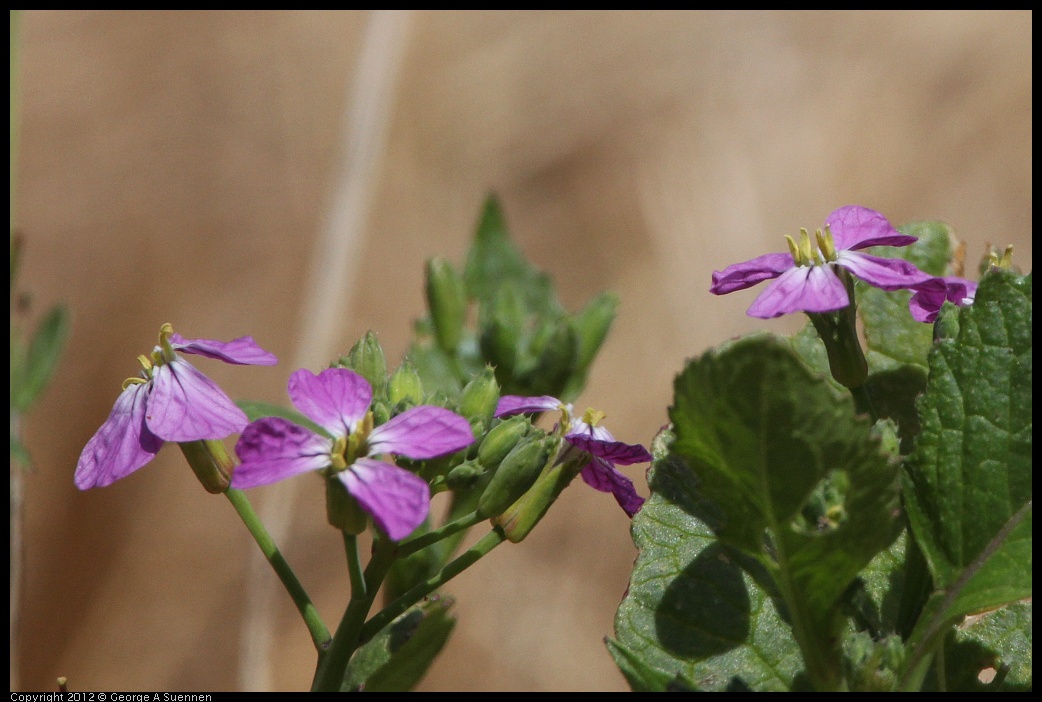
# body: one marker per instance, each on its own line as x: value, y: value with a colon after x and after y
x: 133, y: 381
x: 805, y: 250
x: 794, y: 250
x: 591, y: 416
x: 336, y: 456
x: 165, y: 348
x: 826, y: 244
x: 1007, y: 258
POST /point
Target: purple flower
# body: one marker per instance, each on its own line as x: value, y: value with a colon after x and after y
x: 930, y: 296
x: 584, y: 434
x: 171, y: 401
x: 338, y: 400
x: 807, y: 279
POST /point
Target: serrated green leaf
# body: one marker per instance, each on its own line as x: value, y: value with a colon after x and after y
x: 968, y: 483
x: 42, y: 358
x: 643, y: 677
x: 397, y: 658
x: 780, y: 454
x: 691, y: 613
x: 255, y: 409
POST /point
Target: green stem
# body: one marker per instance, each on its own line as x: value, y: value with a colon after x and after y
x: 466, y: 559
x: 329, y: 674
x: 317, y: 629
x: 432, y: 537
x: 863, y: 400
x: 354, y: 563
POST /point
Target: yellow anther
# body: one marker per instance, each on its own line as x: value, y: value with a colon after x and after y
x: 165, y: 349
x: 591, y: 416
x: 826, y: 244
x: 133, y: 381
x: 1007, y: 258
x: 805, y: 248
x: 794, y: 250
x: 336, y: 456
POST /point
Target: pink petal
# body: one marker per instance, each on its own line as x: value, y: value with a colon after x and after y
x: 185, y: 405
x: 516, y: 404
x: 421, y: 433
x: 397, y: 499
x: 122, y: 444
x: 854, y: 227
x: 612, y: 451
x: 739, y: 276
x: 884, y: 273
x: 243, y: 351
x: 802, y: 289
x: 272, y: 449
x: 335, y: 399
x: 930, y: 296
x: 602, y: 476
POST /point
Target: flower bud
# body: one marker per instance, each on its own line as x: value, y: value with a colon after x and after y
x: 447, y: 300
x: 405, y: 385
x: 465, y: 475
x: 501, y: 439
x: 367, y: 359
x: 342, y: 510
x: 556, y: 362
x: 521, y: 516
x: 479, y: 397
x: 501, y: 327
x: 592, y: 325
x: 515, y: 474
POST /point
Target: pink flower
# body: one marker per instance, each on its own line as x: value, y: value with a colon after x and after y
x: 807, y: 279
x: 337, y: 399
x: 600, y: 473
x: 171, y: 401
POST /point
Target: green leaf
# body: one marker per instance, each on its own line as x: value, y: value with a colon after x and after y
x: 692, y: 617
x: 893, y: 338
x: 44, y: 352
x: 255, y: 409
x: 641, y: 676
x: 968, y: 483
x: 397, y: 658
x: 437, y: 370
x: 991, y: 652
x: 778, y: 452
x: 493, y: 260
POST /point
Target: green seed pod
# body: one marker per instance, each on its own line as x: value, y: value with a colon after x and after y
x: 367, y: 359
x: 447, y: 301
x: 519, y: 518
x: 465, y: 475
x: 405, y: 385
x: 501, y: 439
x: 515, y: 475
x: 479, y: 397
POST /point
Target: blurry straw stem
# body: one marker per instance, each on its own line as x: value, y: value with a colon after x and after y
x: 366, y: 119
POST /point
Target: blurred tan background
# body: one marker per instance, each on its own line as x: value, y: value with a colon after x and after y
x: 184, y: 166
